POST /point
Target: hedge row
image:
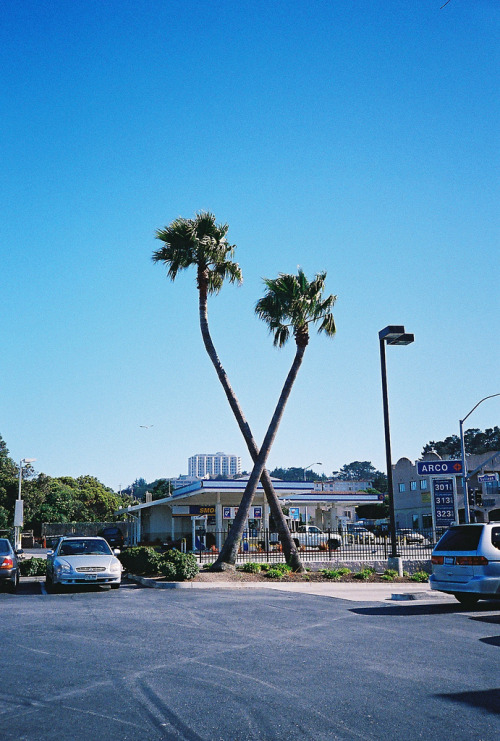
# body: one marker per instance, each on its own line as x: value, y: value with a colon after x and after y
x: 145, y: 561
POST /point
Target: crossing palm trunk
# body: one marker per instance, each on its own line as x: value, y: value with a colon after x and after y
x: 289, y: 548
x: 229, y: 551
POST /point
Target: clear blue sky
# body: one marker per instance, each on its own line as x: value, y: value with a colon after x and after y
x: 360, y: 138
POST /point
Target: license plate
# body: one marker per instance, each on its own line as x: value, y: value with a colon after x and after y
x: 450, y: 560
x: 91, y: 576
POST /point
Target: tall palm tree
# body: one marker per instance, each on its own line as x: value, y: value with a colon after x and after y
x: 201, y: 243
x: 291, y: 304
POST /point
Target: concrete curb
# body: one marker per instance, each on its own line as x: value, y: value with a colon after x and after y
x: 154, y: 584
x: 352, y: 592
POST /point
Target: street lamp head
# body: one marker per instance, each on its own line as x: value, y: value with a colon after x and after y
x: 404, y: 339
x: 391, y: 332
x: 28, y: 460
x: 395, y: 334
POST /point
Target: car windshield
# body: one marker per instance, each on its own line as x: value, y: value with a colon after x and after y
x: 4, y: 546
x: 84, y: 547
x: 460, y: 538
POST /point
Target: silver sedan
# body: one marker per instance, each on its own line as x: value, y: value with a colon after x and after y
x: 82, y: 561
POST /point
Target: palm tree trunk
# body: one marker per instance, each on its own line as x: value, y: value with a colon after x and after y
x: 227, y: 556
x: 289, y: 548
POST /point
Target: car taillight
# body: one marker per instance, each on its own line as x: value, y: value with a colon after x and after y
x: 471, y: 561
x: 437, y: 559
x: 7, y: 563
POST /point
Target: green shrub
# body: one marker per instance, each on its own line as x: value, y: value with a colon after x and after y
x: 420, y: 576
x: 364, y: 573
x: 275, y: 573
x: 390, y: 575
x: 251, y: 568
x: 343, y: 571
x: 185, y: 564
x: 168, y: 570
x: 33, y: 567
x: 333, y: 574
x: 142, y: 560
x: 283, y: 567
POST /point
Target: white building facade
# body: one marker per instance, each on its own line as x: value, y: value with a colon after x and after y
x: 202, y: 465
x: 212, y: 505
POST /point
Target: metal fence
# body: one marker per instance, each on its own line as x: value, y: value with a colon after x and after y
x: 264, y: 546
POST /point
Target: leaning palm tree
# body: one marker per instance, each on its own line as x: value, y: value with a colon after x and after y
x: 201, y: 243
x: 291, y: 304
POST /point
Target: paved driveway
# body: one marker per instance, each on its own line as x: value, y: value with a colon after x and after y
x: 142, y: 664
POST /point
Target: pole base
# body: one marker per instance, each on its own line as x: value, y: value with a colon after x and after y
x: 396, y: 564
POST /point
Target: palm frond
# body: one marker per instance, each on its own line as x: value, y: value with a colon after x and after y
x: 292, y: 302
x: 199, y: 242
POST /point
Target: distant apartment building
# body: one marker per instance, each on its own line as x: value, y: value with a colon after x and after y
x: 214, y: 464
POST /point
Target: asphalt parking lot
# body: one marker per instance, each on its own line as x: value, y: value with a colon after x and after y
x: 243, y: 664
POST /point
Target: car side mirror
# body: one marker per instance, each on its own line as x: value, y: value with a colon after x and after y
x: 19, y: 552
x: 116, y: 551
x: 50, y: 553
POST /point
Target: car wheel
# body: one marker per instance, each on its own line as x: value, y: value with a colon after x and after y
x: 13, y: 585
x: 50, y: 587
x: 466, y: 599
x: 115, y: 586
x: 333, y: 544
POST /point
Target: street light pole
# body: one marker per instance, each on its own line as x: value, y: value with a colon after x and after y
x: 392, y: 335
x: 464, y: 462
x: 18, y: 514
x: 310, y: 466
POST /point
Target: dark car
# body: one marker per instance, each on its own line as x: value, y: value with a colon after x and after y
x: 9, y: 567
x: 113, y: 535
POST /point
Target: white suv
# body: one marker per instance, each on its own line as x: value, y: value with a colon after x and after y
x: 466, y: 562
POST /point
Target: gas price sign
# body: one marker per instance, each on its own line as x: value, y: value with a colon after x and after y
x: 444, y: 502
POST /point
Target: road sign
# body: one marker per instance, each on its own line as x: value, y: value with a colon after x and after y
x: 439, y: 468
x: 443, y: 491
x: 487, y: 478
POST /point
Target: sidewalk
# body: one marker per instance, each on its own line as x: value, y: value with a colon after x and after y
x: 351, y: 592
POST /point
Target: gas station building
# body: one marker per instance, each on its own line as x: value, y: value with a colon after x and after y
x: 209, y: 507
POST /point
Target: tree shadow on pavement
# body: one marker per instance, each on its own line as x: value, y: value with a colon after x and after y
x: 486, y: 699
x: 427, y: 609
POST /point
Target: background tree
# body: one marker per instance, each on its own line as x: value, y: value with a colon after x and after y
x: 380, y: 482
x: 137, y: 489
x: 357, y: 471
x: 373, y: 511
x: 363, y: 471
x: 65, y: 499
x: 8, y: 486
x: 297, y: 474
x: 290, y: 304
x: 202, y: 243
x: 476, y: 442
x: 161, y: 488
